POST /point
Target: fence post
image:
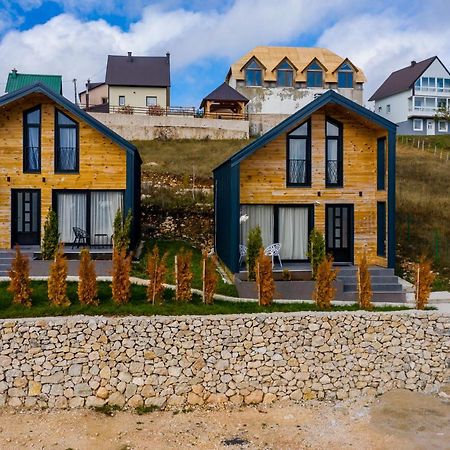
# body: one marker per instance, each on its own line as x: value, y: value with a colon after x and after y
x: 176, y: 276
x: 435, y: 149
x: 423, y: 145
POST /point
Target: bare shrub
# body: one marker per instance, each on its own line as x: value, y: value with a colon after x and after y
x: 183, y: 276
x: 156, y: 271
x: 264, y: 279
x: 20, y: 283
x: 324, y: 292
x: 423, y: 281
x: 57, y: 282
x: 121, y: 286
x: 87, y: 285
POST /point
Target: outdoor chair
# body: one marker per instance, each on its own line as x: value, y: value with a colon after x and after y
x: 242, y: 253
x: 81, y: 237
x: 273, y: 251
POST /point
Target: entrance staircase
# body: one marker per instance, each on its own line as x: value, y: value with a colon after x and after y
x: 6, y: 257
x: 385, y: 284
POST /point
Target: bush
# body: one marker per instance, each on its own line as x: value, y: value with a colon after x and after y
x: 87, y: 286
x: 121, y: 286
x: 156, y: 271
x: 324, y: 291
x: 364, y: 284
x: 286, y: 275
x: 316, y: 250
x: 155, y: 110
x: 50, y: 240
x: 20, y: 282
x: 57, y: 282
x: 183, y: 276
x: 210, y: 279
x: 254, y: 244
x: 125, y: 110
x: 264, y: 279
x: 423, y: 280
x: 122, y: 231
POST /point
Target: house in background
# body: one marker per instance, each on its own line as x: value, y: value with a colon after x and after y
x: 331, y: 166
x: 412, y: 96
x: 55, y: 155
x: 224, y: 102
x: 95, y: 95
x: 278, y: 81
x: 18, y: 81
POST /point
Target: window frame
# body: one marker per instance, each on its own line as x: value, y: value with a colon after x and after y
x: 58, y: 126
x: 308, y: 169
x: 445, y: 129
x: 284, y: 72
x: 381, y: 229
x: 314, y: 71
x: 381, y: 164
x: 346, y: 70
x: 414, y: 125
x: 340, y: 156
x: 124, y: 101
x: 25, y: 128
x: 253, y: 70
x: 151, y: 96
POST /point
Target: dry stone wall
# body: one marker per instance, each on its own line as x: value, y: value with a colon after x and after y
x: 173, y: 361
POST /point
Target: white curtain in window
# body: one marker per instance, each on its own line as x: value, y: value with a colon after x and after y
x: 261, y: 215
x: 104, y: 206
x: 33, y: 148
x: 293, y: 232
x: 71, y: 213
x: 67, y: 148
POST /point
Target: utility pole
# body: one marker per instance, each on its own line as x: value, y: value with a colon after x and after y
x: 75, y: 90
x: 87, y: 93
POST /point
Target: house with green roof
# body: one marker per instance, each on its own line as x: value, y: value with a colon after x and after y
x: 18, y: 81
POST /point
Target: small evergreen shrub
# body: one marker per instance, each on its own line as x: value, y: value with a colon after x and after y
x: 264, y: 279
x: 20, y: 283
x: 324, y: 291
x: 183, y: 276
x: 156, y: 271
x: 286, y: 275
x: 316, y: 250
x: 210, y: 278
x: 122, y: 231
x: 57, y: 282
x: 121, y: 285
x: 254, y: 244
x: 50, y: 239
x: 364, y: 284
x: 423, y: 281
x: 87, y: 286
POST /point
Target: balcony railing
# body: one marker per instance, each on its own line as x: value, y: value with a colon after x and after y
x: 433, y: 90
x: 297, y: 171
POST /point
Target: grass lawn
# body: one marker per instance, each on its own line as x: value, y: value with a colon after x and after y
x: 138, y: 305
x: 174, y: 247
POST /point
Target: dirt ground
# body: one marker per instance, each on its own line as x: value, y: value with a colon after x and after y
x: 397, y: 420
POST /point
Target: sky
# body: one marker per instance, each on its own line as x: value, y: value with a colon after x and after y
x: 74, y: 37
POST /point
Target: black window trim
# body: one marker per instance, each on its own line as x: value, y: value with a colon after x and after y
x: 25, y: 139
x: 307, y: 182
x: 340, y: 149
x: 77, y: 146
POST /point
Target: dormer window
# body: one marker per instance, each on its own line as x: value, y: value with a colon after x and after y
x: 299, y: 156
x: 285, y: 75
x: 314, y: 75
x: 345, y: 76
x: 253, y: 74
x: 32, y: 140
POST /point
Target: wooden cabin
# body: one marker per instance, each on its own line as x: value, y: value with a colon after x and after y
x: 54, y: 155
x: 330, y: 165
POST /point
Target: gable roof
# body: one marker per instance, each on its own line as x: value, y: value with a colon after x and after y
x: 329, y: 97
x: 92, y: 86
x: 224, y: 93
x: 403, y: 79
x: 19, y: 80
x: 301, y: 57
x: 40, y: 88
x: 138, y: 71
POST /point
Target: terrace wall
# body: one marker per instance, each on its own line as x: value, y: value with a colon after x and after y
x: 173, y: 361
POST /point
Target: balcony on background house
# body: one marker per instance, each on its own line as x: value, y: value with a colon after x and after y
x: 423, y: 111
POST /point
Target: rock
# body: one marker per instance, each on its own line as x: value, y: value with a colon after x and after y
x: 194, y: 399
x: 102, y: 393
x: 105, y: 373
x: 135, y: 402
x: 217, y: 399
x: 82, y: 390
x: 116, y: 399
x: 269, y: 398
x: 254, y: 397
x: 34, y: 388
x: 94, y: 402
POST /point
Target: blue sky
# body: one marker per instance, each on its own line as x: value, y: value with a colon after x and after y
x: 73, y: 37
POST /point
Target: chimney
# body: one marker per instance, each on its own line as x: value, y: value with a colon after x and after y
x: 14, y: 72
x: 168, y: 56
x: 129, y: 58
x: 413, y: 63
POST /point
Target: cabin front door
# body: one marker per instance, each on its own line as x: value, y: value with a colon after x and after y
x: 26, y: 216
x: 339, y: 232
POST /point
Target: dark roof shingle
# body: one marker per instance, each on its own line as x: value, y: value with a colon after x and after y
x: 224, y: 93
x: 138, y: 71
x: 402, y: 80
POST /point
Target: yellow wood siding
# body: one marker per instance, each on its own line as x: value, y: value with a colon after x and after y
x: 102, y: 162
x: 263, y: 177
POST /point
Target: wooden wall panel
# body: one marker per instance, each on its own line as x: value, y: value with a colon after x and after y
x: 102, y: 162
x: 263, y: 177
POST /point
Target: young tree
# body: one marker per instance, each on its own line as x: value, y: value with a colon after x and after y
x: 183, y: 276
x: 121, y: 285
x: 50, y: 240
x: 122, y: 231
x: 20, y: 283
x: 210, y: 278
x: 423, y: 282
x: 264, y: 279
x: 87, y: 285
x: 254, y: 244
x: 57, y: 281
x: 156, y: 271
x: 364, y: 284
x: 324, y: 291
x: 316, y: 250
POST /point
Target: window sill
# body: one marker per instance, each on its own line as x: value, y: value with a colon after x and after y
x: 68, y: 172
x: 334, y: 186
x: 33, y: 172
x: 295, y: 185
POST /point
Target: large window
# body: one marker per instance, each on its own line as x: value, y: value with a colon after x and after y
x: 285, y: 75
x: 32, y: 140
x: 253, y: 74
x: 299, y: 156
x: 334, y: 153
x: 381, y: 164
x: 417, y: 124
x: 314, y: 75
x: 345, y: 76
x: 66, y: 144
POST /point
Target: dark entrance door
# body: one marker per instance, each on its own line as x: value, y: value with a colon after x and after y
x: 26, y: 216
x: 339, y: 232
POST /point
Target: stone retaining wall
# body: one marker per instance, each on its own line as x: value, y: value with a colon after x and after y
x: 173, y: 361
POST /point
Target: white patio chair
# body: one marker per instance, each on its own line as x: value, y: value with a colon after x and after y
x: 274, y: 250
x: 242, y: 253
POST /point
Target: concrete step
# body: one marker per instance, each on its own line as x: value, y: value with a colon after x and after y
x: 388, y: 297
x: 351, y: 279
x: 374, y: 271
x: 384, y: 287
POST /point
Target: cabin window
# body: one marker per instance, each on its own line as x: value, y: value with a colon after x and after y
x: 345, y: 76
x: 151, y: 101
x: 121, y: 100
x: 334, y: 152
x: 285, y: 75
x: 253, y: 74
x: 299, y: 156
x: 381, y: 164
x: 32, y: 140
x: 418, y: 125
x: 381, y: 228
x: 314, y: 75
x: 442, y: 126
x: 66, y: 151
